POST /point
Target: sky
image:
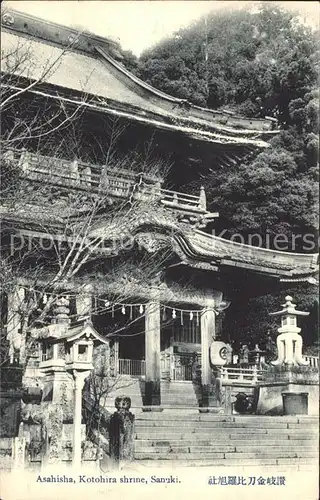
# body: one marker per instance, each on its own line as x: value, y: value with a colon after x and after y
x: 141, y: 24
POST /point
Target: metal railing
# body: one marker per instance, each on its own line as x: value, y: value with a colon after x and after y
x: 132, y: 367
x: 105, y: 180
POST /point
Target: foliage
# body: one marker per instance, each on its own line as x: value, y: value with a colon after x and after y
x: 248, y: 321
x: 256, y: 63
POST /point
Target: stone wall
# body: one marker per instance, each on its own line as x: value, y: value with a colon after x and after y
x: 270, y: 397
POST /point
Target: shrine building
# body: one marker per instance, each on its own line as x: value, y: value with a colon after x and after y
x: 150, y: 282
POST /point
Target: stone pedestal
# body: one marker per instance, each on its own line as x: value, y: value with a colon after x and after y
x: 270, y: 401
x: 52, y: 435
x: 152, y: 340
x: 290, y: 372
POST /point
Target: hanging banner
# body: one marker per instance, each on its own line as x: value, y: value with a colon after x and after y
x: 218, y: 353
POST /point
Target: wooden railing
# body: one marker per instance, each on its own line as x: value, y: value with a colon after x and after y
x: 105, y: 180
x: 173, y: 198
x: 132, y: 367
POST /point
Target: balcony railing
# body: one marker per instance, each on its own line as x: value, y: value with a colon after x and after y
x: 132, y: 367
x: 105, y: 180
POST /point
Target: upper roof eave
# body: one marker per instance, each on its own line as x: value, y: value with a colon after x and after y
x: 167, y: 105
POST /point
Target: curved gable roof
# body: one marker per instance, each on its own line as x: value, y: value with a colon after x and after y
x: 85, y: 63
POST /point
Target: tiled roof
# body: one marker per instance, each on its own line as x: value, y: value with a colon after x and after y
x: 99, y: 75
x: 72, y: 70
x: 196, y: 246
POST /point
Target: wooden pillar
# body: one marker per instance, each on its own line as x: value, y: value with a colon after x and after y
x: 152, y: 345
x: 208, y: 334
x: 210, y: 389
x: 114, y: 358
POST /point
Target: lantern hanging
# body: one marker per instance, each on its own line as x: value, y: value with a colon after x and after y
x: 141, y: 309
x: 123, y: 310
x: 174, y: 315
x: 191, y: 315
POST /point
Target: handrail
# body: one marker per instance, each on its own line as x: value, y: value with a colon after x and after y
x: 186, y: 195
x: 243, y: 375
x: 131, y: 367
x: 82, y: 175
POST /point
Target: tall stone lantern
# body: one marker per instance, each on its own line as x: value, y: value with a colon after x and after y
x: 79, y: 343
x: 289, y: 342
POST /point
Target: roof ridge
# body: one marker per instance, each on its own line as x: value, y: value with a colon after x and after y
x: 61, y: 35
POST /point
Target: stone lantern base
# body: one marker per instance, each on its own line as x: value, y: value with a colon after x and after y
x: 270, y: 400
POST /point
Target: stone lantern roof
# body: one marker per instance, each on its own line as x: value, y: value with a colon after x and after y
x: 289, y: 308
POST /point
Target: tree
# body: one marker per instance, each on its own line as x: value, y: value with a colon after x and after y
x: 254, y: 63
x: 47, y: 158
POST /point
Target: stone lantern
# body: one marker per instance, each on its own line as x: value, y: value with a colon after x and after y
x: 68, y: 350
x: 79, y: 342
x: 289, y: 342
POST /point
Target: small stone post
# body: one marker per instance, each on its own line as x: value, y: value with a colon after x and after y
x: 19, y: 452
x: 121, y: 432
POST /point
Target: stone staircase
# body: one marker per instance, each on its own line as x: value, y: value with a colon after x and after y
x: 191, y: 438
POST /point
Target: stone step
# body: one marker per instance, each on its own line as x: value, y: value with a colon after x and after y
x: 218, y: 461
x: 170, y: 430
x: 156, y: 453
x: 208, y: 459
x: 209, y: 430
x: 220, y: 424
x: 214, y: 434
x: 225, y: 447
x: 236, y: 441
x: 195, y: 416
x: 310, y: 447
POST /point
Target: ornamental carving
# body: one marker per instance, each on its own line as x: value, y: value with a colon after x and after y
x: 152, y: 243
x: 73, y: 39
x: 7, y: 19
